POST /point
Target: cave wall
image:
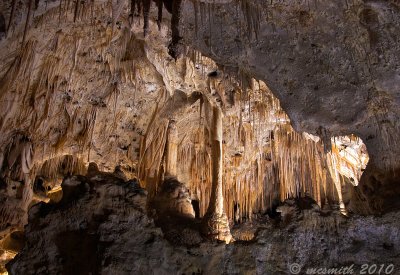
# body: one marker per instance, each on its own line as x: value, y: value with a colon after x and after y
x: 79, y: 83
x: 86, y: 83
x: 333, y: 66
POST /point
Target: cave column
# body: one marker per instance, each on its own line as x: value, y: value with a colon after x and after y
x: 333, y: 166
x: 171, y: 168
x: 215, y: 221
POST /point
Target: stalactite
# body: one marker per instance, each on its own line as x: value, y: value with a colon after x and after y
x: 287, y: 165
x: 60, y: 12
x: 67, y: 7
x: 136, y: 7
x: 132, y: 8
x: 116, y: 9
x: 196, y: 18
x: 76, y: 10
x: 252, y: 16
x: 264, y: 158
x: 36, y: 4
x: 55, y: 169
x: 160, y: 13
x: 91, y: 129
x: 175, y: 48
x: 152, y: 156
x: 19, y: 68
x: 146, y: 13
x: 28, y: 16
x: 17, y: 162
x: 13, y: 5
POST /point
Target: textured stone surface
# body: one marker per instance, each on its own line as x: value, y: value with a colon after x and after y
x: 107, y: 231
x: 173, y: 198
x: 86, y: 87
x: 334, y: 65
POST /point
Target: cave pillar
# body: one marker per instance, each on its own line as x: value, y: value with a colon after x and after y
x: 172, y: 150
x: 215, y: 221
x: 333, y: 166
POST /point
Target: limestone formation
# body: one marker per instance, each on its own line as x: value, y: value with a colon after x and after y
x: 107, y: 231
x: 174, y: 199
x: 215, y: 221
x: 171, y: 159
x: 134, y: 134
x: 333, y: 66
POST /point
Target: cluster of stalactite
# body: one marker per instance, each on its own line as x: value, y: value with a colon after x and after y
x: 248, y: 21
x: 71, y: 92
x: 48, y: 112
x: 260, y: 168
x: 49, y: 88
x: 265, y: 160
x: 53, y: 170
x: 70, y: 10
x: 203, y: 15
x: 150, y: 166
x: 82, y: 10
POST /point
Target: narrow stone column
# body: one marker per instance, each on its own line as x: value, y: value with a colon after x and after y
x: 172, y: 150
x: 215, y: 221
x: 332, y: 166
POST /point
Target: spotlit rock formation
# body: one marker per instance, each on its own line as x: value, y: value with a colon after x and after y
x: 244, y: 104
x: 333, y: 65
x: 174, y: 199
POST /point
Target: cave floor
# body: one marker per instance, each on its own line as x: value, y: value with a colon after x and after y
x: 108, y: 229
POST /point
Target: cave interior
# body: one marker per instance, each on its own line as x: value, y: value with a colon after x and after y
x: 199, y: 137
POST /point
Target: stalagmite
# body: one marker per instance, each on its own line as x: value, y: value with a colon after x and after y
x: 215, y: 222
x: 172, y: 150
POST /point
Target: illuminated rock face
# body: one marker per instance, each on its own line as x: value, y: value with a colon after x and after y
x: 333, y: 66
x: 351, y: 157
x: 174, y: 199
x: 80, y: 87
x: 215, y: 221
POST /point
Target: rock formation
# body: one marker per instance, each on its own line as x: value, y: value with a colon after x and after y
x: 106, y: 230
x: 176, y: 136
x: 174, y: 199
x: 216, y: 224
x: 333, y: 67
